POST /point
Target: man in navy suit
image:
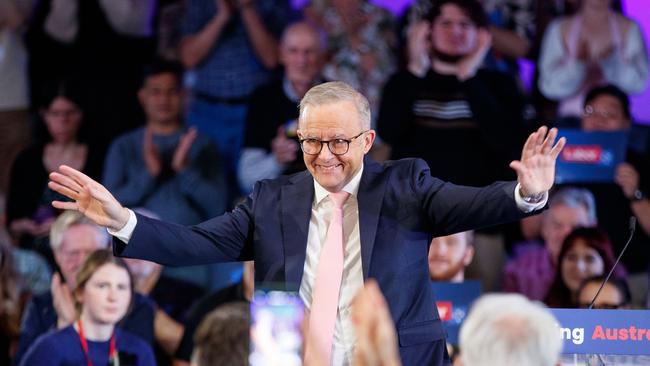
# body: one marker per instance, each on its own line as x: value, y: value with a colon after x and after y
x: 391, y: 213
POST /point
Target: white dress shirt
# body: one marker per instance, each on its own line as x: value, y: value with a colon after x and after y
x: 352, y: 279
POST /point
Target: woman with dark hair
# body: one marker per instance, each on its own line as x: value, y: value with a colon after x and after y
x: 29, y: 213
x: 103, y: 296
x: 586, y: 252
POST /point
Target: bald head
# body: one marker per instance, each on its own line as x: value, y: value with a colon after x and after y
x: 301, y: 53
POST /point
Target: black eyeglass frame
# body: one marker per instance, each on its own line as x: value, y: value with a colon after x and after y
x: 328, y: 142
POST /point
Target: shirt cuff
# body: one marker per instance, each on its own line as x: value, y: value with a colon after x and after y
x: 525, y: 206
x: 125, y: 233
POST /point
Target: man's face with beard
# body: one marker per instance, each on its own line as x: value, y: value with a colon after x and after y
x: 449, y: 255
x: 453, y: 34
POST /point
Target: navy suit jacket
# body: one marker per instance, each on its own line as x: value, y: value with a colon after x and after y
x: 401, y: 207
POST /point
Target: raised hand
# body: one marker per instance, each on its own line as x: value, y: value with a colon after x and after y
x: 179, y: 160
x: 627, y: 178
x: 536, y: 169
x: 419, y: 47
x: 90, y: 198
x: 376, y: 338
x: 284, y: 149
x: 468, y: 66
x: 63, y: 302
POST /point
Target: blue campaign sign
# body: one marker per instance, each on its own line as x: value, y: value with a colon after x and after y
x: 590, y: 157
x: 453, y: 301
x: 608, y: 332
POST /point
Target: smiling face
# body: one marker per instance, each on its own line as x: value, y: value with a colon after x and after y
x: 334, y: 120
x: 580, y: 263
x: 106, y: 295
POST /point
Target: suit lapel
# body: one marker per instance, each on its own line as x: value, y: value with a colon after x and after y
x: 370, y: 197
x: 296, y: 200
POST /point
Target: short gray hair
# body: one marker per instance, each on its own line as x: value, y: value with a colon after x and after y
x: 509, y: 330
x: 576, y: 198
x: 71, y: 218
x: 336, y: 91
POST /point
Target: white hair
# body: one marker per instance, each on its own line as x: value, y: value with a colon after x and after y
x: 509, y: 330
x: 332, y: 92
x: 576, y: 198
x: 72, y: 218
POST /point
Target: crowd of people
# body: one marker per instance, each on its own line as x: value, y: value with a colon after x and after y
x: 179, y: 108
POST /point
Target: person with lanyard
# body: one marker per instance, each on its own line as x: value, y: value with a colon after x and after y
x: 103, y: 295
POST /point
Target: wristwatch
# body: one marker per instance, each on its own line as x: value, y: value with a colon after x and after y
x: 533, y: 198
x: 638, y: 195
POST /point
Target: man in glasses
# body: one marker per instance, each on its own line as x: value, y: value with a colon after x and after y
x: 328, y: 229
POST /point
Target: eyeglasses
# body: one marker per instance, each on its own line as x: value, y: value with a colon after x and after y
x: 592, y: 112
x: 336, y: 146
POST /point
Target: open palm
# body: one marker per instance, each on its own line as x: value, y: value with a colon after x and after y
x: 536, y: 169
x: 89, y: 197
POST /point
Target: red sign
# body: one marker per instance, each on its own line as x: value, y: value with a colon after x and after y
x: 585, y: 154
x: 444, y: 310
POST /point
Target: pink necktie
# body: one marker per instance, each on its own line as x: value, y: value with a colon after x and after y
x: 325, y: 301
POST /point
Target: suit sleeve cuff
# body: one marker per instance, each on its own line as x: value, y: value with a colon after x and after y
x: 125, y: 233
x: 526, y: 206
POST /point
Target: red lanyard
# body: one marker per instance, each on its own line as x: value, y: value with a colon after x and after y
x: 84, y: 345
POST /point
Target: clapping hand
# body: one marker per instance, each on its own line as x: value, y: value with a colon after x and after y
x: 536, y: 169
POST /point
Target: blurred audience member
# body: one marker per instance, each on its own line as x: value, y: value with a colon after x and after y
x: 30, y: 266
x: 270, y: 142
x: 102, y: 297
x: 449, y: 255
x: 29, y: 210
x: 223, y: 336
x: 374, y: 329
x: 172, y: 298
x: 166, y: 168
x: 231, y: 45
x: 14, y: 102
x: 586, y: 252
x: 512, y: 26
x: 360, y: 44
x: 532, y: 270
x: 73, y: 238
x: 607, y: 108
x: 614, y: 295
x: 455, y: 105
x: 104, y: 43
x: 240, y: 292
x: 508, y: 329
x: 596, y: 45
x: 13, y: 296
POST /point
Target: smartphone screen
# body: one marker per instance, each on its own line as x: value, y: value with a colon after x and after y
x: 276, y: 337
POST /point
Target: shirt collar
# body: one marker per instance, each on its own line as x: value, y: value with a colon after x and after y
x: 352, y: 187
